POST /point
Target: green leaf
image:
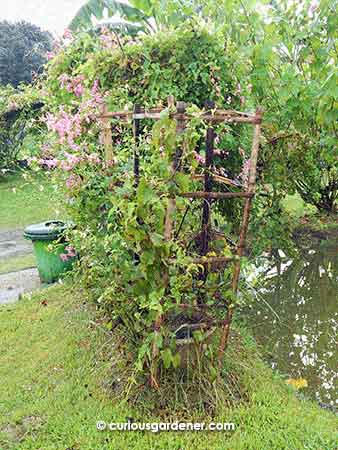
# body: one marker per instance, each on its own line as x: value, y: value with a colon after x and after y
x: 82, y: 19
x: 167, y: 358
x: 176, y: 360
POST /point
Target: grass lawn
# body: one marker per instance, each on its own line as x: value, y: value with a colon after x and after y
x: 55, y: 377
x: 26, y: 201
x: 17, y: 263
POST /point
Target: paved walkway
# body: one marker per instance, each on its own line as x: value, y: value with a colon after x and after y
x: 14, y: 284
x: 12, y: 244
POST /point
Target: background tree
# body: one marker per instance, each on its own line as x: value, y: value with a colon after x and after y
x: 23, y: 48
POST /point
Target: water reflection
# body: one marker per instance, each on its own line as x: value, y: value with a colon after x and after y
x: 303, y: 339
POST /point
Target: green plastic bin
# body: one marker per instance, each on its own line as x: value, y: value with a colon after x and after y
x: 51, y: 265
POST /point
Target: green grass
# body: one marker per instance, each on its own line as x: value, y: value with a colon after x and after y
x: 24, y: 201
x: 55, y: 375
x: 17, y: 263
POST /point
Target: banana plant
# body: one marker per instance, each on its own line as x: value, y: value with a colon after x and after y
x: 145, y: 15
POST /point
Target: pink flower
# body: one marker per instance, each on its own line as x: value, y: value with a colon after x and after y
x: 95, y: 87
x: 73, y: 182
x: 50, y: 163
x: 313, y: 6
x: 63, y: 257
x: 70, y: 162
x: 70, y: 251
x: 199, y: 158
x: 78, y: 90
x: 50, y: 55
x: 93, y: 158
x: 65, y: 125
x: 107, y: 38
x: 67, y: 34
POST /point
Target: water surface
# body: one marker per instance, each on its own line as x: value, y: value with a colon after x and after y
x: 301, y: 334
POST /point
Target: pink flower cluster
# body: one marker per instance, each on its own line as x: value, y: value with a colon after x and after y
x: 73, y: 182
x: 107, y: 38
x: 74, y: 85
x: 313, y: 7
x: 70, y: 253
x: 50, y: 163
x: 57, y: 47
x: 70, y: 161
x: 50, y: 55
x: 67, y: 126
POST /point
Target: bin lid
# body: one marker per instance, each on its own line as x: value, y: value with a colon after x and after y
x: 45, y: 231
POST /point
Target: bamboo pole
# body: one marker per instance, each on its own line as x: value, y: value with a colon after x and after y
x: 136, y: 134
x: 106, y: 136
x: 168, y: 226
x: 243, y: 232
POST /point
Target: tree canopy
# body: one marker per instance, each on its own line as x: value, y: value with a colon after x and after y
x: 23, y: 49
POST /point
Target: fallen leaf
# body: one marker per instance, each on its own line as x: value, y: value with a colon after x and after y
x: 297, y: 383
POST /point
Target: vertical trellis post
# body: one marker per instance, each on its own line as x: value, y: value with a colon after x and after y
x: 136, y: 134
x: 106, y: 136
x: 209, y: 153
x: 169, y: 222
x: 251, y: 187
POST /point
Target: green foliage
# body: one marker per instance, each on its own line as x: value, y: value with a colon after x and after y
x: 287, y: 62
x: 23, y: 49
x: 120, y: 226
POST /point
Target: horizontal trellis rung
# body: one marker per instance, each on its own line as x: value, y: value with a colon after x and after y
x: 201, y: 307
x: 216, y: 195
x: 219, y: 116
x: 209, y: 260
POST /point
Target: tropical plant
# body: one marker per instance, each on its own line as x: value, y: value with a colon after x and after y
x: 136, y: 15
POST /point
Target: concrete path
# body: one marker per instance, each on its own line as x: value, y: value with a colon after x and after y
x: 14, y: 284
x: 12, y: 244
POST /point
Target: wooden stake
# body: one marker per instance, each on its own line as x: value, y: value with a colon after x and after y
x: 244, y: 228
x: 168, y: 225
x: 106, y: 136
x: 136, y: 134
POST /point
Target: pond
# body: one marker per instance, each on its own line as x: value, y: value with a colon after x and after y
x: 296, y: 320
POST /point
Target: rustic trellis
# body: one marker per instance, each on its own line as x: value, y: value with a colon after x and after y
x: 211, y: 116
